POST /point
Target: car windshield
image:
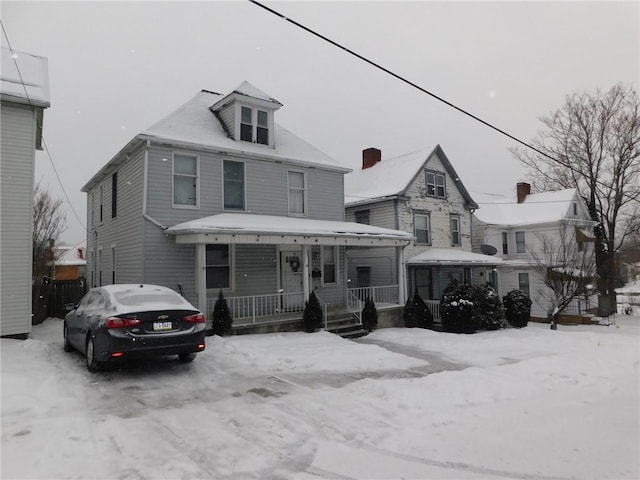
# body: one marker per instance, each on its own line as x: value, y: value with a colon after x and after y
x: 132, y: 297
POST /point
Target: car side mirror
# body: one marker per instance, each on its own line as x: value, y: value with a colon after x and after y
x: 70, y: 306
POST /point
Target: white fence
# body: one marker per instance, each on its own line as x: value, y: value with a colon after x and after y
x: 434, y: 308
x: 257, y: 308
x: 383, y: 294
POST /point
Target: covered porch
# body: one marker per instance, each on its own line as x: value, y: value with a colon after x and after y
x: 267, y: 266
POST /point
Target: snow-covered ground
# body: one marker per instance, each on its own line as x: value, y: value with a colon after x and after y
x: 399, y: 403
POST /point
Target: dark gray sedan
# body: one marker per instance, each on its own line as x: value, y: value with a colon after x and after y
x: 133, y: 321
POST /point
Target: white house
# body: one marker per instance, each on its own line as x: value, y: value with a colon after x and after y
x: 24, y: 94
x: 517, y: 227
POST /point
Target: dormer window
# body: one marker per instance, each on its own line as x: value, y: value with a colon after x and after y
x: 254, y: 125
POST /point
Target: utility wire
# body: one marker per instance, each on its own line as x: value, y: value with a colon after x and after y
x: 401, y: 78
x: 39, y: 127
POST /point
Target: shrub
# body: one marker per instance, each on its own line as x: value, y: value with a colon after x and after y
x: 517, y: 308
x: 424, y: 318
x: 409, y: 314
x: 487, y: 308
x: 221, y: 319
x: 369, y: 315
x: 456, y: 309
x: 312, y: 316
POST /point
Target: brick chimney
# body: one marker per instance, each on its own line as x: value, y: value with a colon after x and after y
x: 370, y: 157
x: 522, y: 190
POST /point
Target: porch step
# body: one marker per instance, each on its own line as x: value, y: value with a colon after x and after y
x: 346, y: 327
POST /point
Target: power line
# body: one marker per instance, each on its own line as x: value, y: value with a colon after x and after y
x: 39, y: 127
x: 402, y: 79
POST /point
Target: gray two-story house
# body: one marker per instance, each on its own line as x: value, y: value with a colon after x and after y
x: 419, y: 193
x: 218, y: 196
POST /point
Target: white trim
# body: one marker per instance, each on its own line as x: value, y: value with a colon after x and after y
x: 173, y: 182
x: 244, y: 186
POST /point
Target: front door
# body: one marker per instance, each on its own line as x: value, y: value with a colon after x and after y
x: 291, y: 280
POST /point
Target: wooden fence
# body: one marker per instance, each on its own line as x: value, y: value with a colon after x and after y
x: 49, y: 297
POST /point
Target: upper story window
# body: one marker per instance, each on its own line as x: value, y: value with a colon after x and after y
x: 455, y: 230
x: 185, y: 180
x: 101, y: 203
x: 114, y: 195
x: 297, y: 202
x: 436, y: 184
x: 505, y: 243
x: 422, y: 228
x: 575, y: 209
x: 254, y: 125
x: 363, y: 217
x: 520, y: 245
x: 233, y: 185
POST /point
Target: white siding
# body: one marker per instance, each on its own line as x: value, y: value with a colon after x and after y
x: 17, y: 144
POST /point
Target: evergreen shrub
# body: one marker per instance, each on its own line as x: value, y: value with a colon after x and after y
x: 517, y: 308
x: 487, y: 308
x: 409, y: 314
x: 221, y: 319
x: 369, y: 315
x: 424, y: 318
x: 456, y: 309
x: 312, y: 316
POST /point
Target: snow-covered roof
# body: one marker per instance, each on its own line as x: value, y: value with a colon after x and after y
x: 68, y: 256
x: 248, y: 90
x: 241, y: 223
x: 392, y: 176
x: 28, y: 82
x: 545, y: 207
x: 452, y: 256
x: 193, y: 123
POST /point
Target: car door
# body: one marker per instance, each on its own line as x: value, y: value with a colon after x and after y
x: 74, y: 320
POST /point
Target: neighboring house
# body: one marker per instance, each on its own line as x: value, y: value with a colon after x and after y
x: 628, y: 298
x: 218, y: 197
x: 419, y: 193
x: 69, y: 262
x: 517, y: 227
x: 24, y: 94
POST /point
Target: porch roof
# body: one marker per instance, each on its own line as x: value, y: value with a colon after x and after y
x: 452, y: 256
x: 271, y: 229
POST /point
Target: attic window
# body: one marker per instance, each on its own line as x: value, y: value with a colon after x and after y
x: 254, y: 125
x: 436, y: 184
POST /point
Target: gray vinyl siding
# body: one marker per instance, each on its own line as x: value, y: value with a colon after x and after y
x: 256, y: 270
x: 125, y: 230
x: 382, y: 214
x: 266, y: 188
x: 17, y: 144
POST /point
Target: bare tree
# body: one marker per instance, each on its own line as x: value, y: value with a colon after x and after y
x: 566, y: 267
x: 593, y: 144
x: 49, y: 221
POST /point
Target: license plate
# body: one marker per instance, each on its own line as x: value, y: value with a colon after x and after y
x: 161, y: 326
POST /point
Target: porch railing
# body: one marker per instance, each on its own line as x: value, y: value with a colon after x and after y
x: 256, y: 308
x: 325, y: 310
x: 434, y: 308
x: 383, y: 294
x: 355, y: 305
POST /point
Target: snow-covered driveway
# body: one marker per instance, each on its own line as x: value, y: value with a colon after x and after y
x: 533, y: 404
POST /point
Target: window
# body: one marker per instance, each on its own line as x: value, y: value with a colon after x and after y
x: 250, y: 118
x: 505, y: 243
x: 436, y: 185
x: 455, y: 231
x: 421, y: 222
x: 113, y: 265
x: 218, y: 266
x: 185, y: 180
x: 93, y: 208
x: 329, y: 265
x: 575, y: 209
x: 520, y: 248
x: 114, y: 194
x: 233, y: 185
x: 100, y: 265
x: 362, y: 216
x: 363, y: 277
x: 101, y: 202
x: 523, y: 283
x: 296, y: 193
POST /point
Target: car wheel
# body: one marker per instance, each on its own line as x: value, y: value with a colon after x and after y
x: 187, y: 357
x: 92, y: 364
x: 67, y: 346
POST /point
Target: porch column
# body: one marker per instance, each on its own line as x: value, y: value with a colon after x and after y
x: 402, y: 275
x: 201, y: 277
x: 305, y: 272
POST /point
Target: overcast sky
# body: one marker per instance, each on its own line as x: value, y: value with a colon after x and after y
x: 117, y: 68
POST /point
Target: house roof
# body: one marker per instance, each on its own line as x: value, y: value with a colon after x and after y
x: 391, y: 177
x: 193, y: 125
x: 240, y: 226
x: 537, y: 208
x: 26, y: 83
x: 247, y: 90
x: 452, y: 256
x: 67, y: 255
